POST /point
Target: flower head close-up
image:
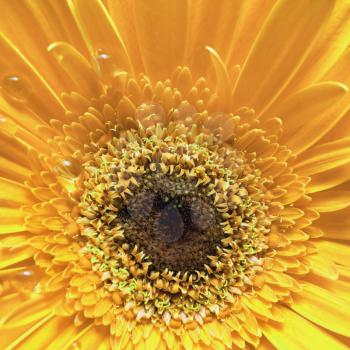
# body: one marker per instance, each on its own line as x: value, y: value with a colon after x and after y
x: 174, y: 175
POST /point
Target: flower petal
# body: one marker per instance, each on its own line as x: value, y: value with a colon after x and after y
x: 222, y: 78
x: 323, y: 308
x: 161, y: 27
x: 13, y: 256
x: 329, y: 201
x: 123, y: 16
x: 324, y: 157
x: 280, y: 47
x: 329, y: 49
x: 298, y: 333
x: 14, y: 194
x: 340, y: 288
x: 335, y: 225
x: 77, y: 68
x: 299, y: 112
x: 99, y: 31
x: 321, y: 266
x: 327, y: 249
x: 38, y: 23
x: 38, y: 94
x: 12, y: 220
x: 329, y: 179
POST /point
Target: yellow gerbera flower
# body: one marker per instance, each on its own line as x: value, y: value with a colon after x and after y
x: 174, y: 174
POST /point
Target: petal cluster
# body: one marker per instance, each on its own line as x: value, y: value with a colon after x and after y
x: 167, y: 186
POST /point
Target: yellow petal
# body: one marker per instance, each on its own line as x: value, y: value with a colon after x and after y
x: 68, y: 331
x: 224, y: 87
x: 233, y: 27
x: 324, y: 157
x: 281, y: 47
x: 265, y: 345
x: 13, y: 171
x: 169, y: 338
x: 44, y: 333
x: 332, y: 200
x: 10, y: 302
x: 34, y: 309
x: 35, y: 85
x: 321, y: 266
x: 329, y: 179
x: 251, y: 324
x: 335, y: 225
x: 224, y: 15
x: 344, y: 272
x: 39, y: 23
x: 12, y: 220
x: 238, y: 340
x: 100, y: 32
x: 91, y: 337
x: 323, y: 62
x: 11, y: 146
x: 323, y: 308
x: 258, y: 307
x: 77, y: 68
x: 152, y: 341
x: 298, y: 333
x: 13, y: 193
x: 187, y: 341
x: 161, y: 27
x: 298, y: 113
x: 102, y: 307
x: 334, y: 251
x: 122, y: 14
x: 340, y: 288
x: 25, y: 333
x: 267, y: 293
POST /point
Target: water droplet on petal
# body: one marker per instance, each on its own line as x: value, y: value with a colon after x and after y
x: 68, y: 167
x: 68, y: 171
x: 100, y: 59
x: 169, y: 226
x: 184, y: 110
x: 25, y: 280
x: 150, y: 110
x: 27, y: 273
x: 104, y: 64
x: 7, y: 126
x: 16, y: 87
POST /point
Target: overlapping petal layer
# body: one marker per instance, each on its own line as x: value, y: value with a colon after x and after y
x: 267, y: 79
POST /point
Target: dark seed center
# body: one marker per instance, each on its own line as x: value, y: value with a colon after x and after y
x: 175, y: 225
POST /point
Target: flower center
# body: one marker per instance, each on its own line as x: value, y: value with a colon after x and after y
x: 170, y: 219
x: 173, y: 219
